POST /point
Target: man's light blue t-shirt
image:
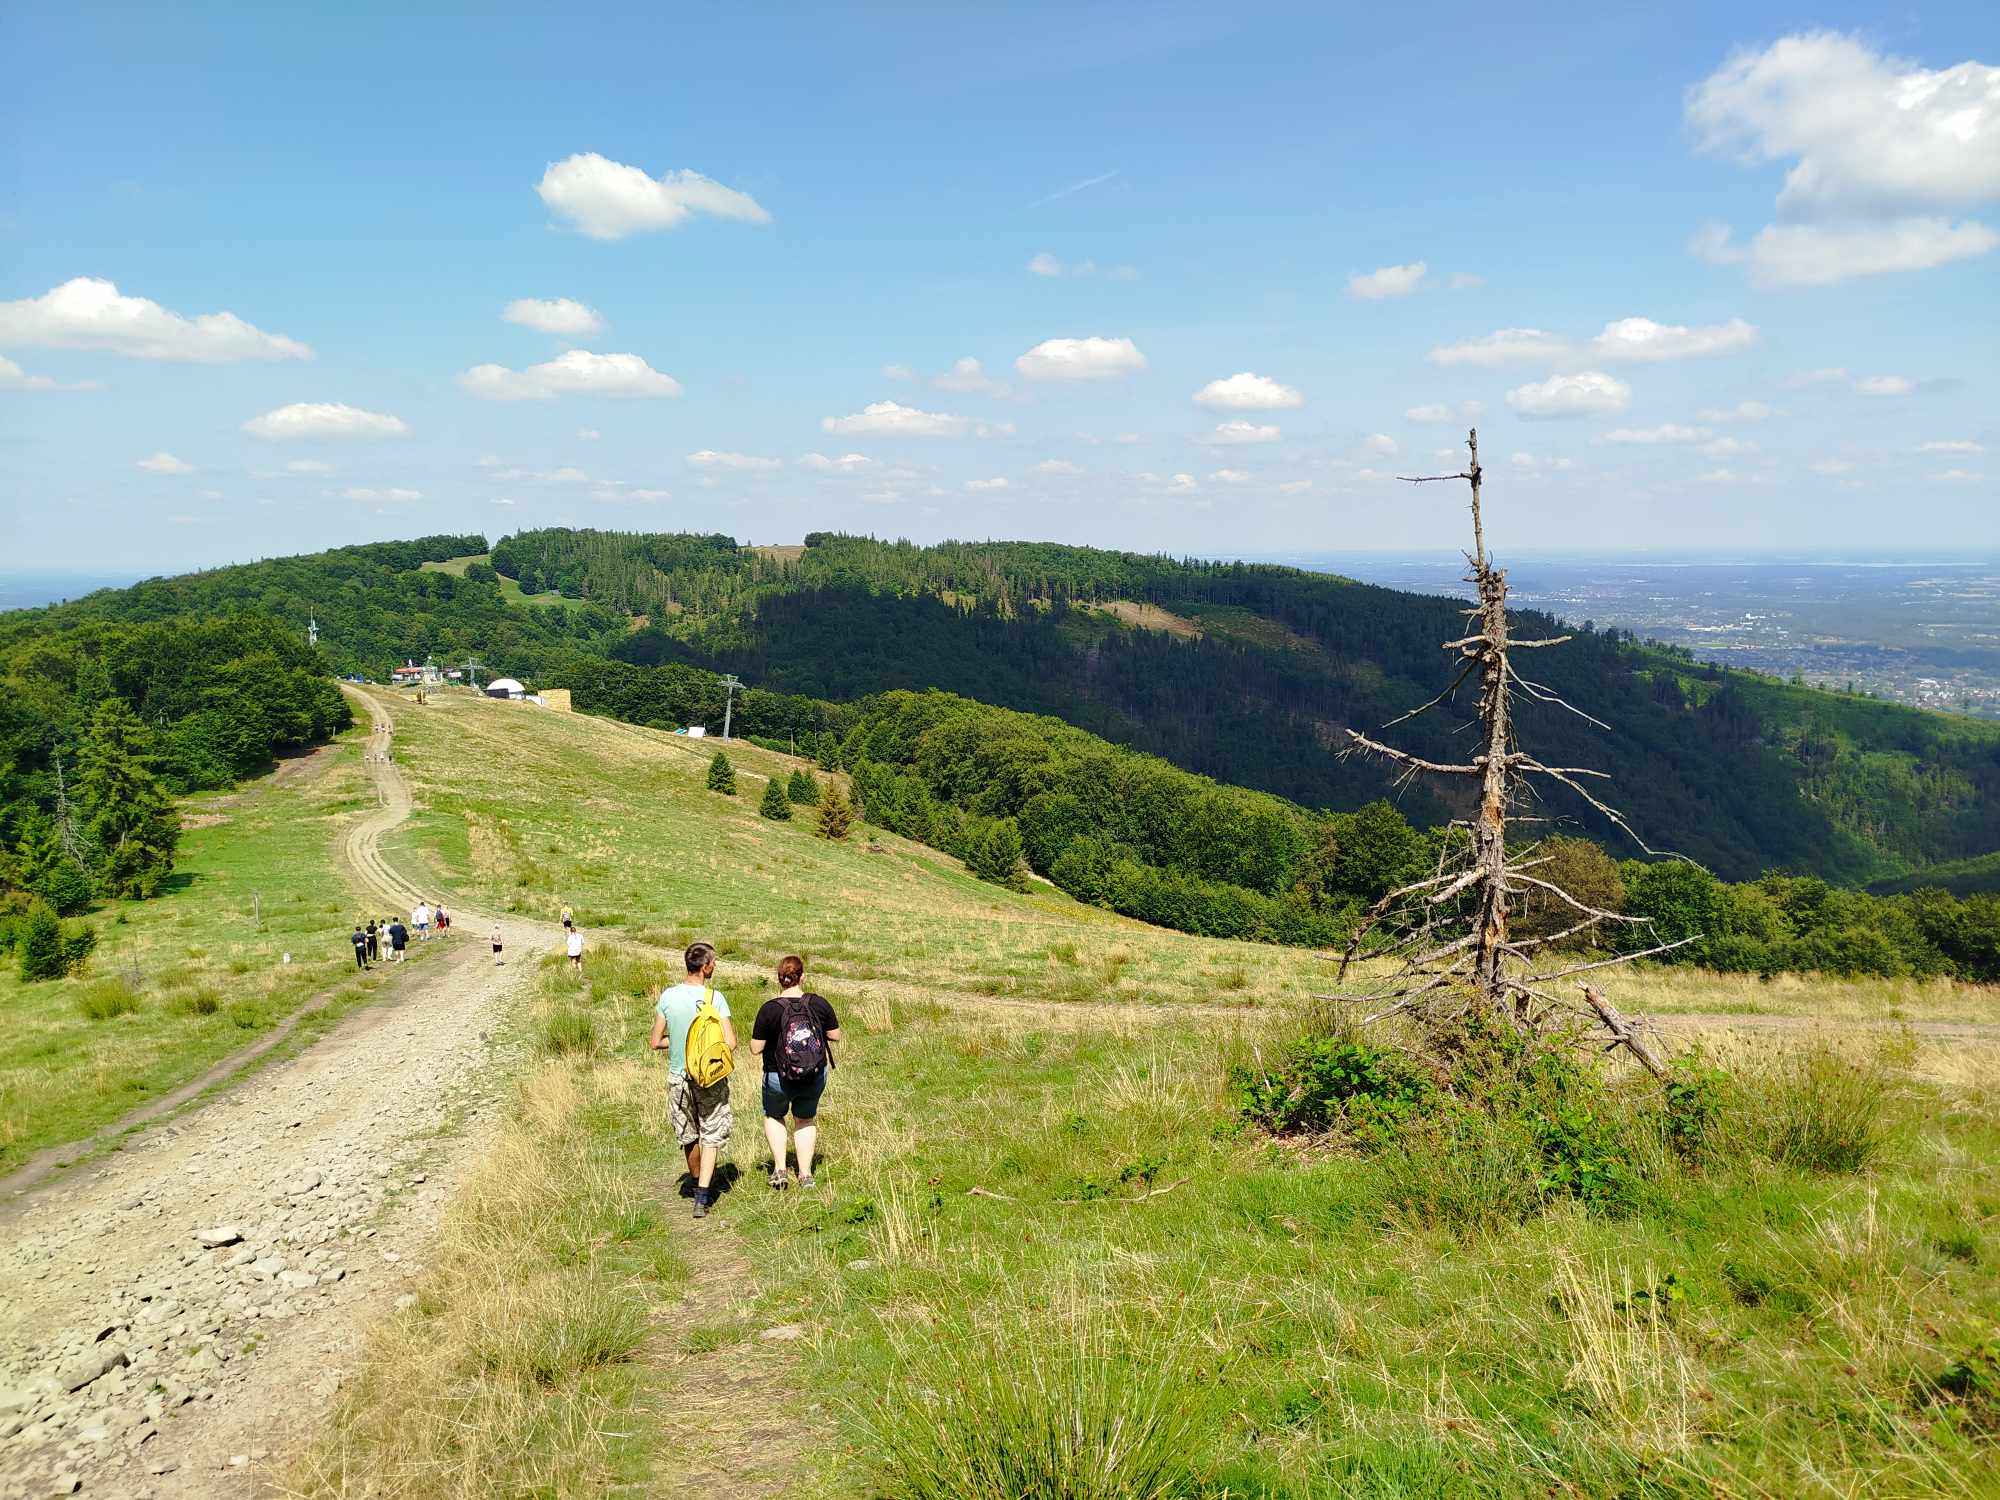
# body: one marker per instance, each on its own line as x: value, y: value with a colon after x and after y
x: 678, y: 1003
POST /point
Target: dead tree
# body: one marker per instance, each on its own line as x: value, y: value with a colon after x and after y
x: 1448, y: 949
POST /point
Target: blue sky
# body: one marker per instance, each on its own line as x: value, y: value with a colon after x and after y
x: 1719, y: 276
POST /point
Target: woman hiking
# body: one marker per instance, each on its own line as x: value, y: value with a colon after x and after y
x: 791, y: 1038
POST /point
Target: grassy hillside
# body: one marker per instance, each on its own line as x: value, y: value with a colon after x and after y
x: 1039, y: 1204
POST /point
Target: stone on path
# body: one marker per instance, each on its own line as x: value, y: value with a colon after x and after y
x: 99, y: 1361
x: 215, y: 1239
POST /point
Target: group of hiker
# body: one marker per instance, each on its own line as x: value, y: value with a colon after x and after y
x: 371, y: 937
x: 790, y: 1043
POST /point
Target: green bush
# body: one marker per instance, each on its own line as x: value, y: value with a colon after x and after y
x: 1327, y: 1082
x: 205, y: 1001
x: 1692, y: 1104
x: 67, y: 887
x: 993, y: 852
x: 803, y: 788
x: 106, y: 999
x: 722, y: 775
x: 39, y: 945
x: 776, y: 805
x: 1821, y: 1112
x: 569, y: 1032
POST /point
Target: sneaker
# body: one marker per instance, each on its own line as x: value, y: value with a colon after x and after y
x: 701, y: 1198
x: 806, y: 1181
x: 779, y: 1181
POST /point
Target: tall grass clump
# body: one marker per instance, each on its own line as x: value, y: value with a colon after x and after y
x: 568, y: 1031
x: 1065, y: 1408
x: 1822, y: 1112
x: 108, y: 998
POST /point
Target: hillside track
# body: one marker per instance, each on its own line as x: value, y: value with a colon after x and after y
x: 329, y: 1169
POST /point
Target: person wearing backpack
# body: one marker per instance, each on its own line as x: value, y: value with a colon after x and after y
x: 691, y: 1025
x: 791, y: 1036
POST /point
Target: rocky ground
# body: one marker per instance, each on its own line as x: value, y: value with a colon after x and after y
x: 177, y: 1314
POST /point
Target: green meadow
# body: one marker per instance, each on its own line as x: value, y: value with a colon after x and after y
x: 1050, y: 1254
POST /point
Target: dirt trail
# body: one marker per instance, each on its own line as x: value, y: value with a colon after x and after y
x: 325, y: 1174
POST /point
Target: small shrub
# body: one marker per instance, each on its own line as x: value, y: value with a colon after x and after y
x: 722, y: 775
x: 205, y: 1001
x: 1824, y: 1113
x: 247, y: 1014
x: 39, y: 945
x: 776, y: 805
x: 106, y: 999
x: 67, y: 888
x: 803, y: 788
x: 1692, y: 1105
x: 77, y: 946
x: 569, y: 1032
x: 1322, y: 1082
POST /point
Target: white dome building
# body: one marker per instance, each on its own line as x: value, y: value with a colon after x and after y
x: 505, y: 687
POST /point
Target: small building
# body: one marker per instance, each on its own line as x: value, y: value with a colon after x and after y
x: 412, y: 675
x: 505, y: 687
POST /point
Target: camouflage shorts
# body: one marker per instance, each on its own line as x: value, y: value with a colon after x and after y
x: 700, y: 1115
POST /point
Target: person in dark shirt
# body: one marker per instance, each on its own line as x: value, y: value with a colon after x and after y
x: 399, y: 939
x: 792, y: 1040
x: 374, y: 941
x: 360, y: 941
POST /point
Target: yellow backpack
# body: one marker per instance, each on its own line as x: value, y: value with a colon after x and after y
x: 708, y: 1059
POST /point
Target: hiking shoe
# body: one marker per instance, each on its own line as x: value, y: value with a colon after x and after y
x: 806, y: 1181
x: 700, y: 1204
x: 779, y: 1181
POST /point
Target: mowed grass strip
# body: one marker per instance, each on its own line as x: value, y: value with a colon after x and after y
x: 180, y: 981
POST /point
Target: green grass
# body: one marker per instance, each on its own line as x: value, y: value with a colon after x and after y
x: 509, y: 589
x: 182, y: 980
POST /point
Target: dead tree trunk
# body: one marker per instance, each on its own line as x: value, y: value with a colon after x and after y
x: 1448, y: 934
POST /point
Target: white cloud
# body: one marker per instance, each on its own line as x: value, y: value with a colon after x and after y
x: 898, y: 372
x: 1831, y: 468
x: 1381, y: 444
x: 1045, y: 264
x: 575, y: 373
x: 1295, y: 486
x: 14, y: 378
x: 608, y: 200
x: 897, y: 420
x: 1809, y: 255
x: 1800, y: 380
x: 1437, y: 411
x: 1230, y: 434
x: 1881, y: 149
x: 1727, y: 447
x: 588, y: 434
x: 1388, y: 281
x: 1742, y: 411
x: 1465, y: 281
x: 501, y: 500
x: 1245, y: 391
x: 1951, y: 445
x: 640, y: 495
x: 321, y: 421
x: 1588, y: 394
x: 1230, y: 476
x: 966, y: 378
x: 1718, y: 476
x: 1506, y: 346
x: 1057, y: 468
x: 1642, y: 341
x: 308, y: 466
x: 562, y: 316
x: 1958, y: 476
x: 1072, y: 360
x: 567, y: 474
x: 1668, y: 432
x: 397, y: 496
x: 164, y: 462
x: 847, y: 463
x: 742, y: 463
x: 984, y: 486
x: 1884, y: 385
x: 87, y: 313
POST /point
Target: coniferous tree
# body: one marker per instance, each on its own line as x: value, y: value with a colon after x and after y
x: 776, y: 805
x: 722, y: 775
x: 129, y: 818
x: 40, y: 945
x: 835, y: 816
x: 803, y: 788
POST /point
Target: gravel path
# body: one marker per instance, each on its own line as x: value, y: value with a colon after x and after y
x: 187, y: 1308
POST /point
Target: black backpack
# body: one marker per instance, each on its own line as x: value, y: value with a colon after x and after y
x: 801, y: 1042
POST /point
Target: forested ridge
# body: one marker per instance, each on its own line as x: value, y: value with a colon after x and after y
x: 1256, y: 681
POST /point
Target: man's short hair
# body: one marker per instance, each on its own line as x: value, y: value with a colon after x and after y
x: 699, y: 957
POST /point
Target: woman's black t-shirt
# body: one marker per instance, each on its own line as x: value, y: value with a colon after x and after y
x: 771, y: 1020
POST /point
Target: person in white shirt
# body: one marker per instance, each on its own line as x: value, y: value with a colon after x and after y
x: 573, y: 945
x: 420, y: 918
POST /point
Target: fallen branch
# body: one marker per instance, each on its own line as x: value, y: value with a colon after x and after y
x: 1623, y: 1034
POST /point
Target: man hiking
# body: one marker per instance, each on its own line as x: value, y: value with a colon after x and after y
x: 790, y: 1039
x: 700, y: 1112
x: 360, y: 941
x: 573, y: 946
x: 374, y: 941
x: 399, y: 939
